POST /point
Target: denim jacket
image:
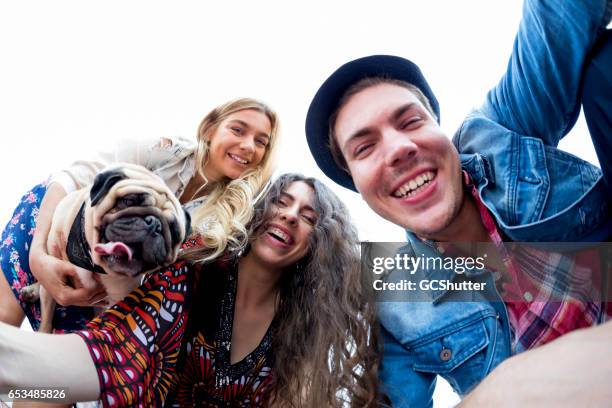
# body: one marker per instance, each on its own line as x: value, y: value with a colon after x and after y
x: 535, y: 192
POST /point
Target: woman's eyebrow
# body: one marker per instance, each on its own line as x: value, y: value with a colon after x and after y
x: 240, y: 122
x: 292, y: 198
x: 309, y: 208
x: 287, y: 195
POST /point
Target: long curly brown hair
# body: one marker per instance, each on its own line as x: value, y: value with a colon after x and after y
x: 325, y: 343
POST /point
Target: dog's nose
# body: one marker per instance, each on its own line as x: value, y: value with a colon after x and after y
x: 153, y: 224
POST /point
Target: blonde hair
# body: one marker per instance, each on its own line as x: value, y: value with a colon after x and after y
x: 221, y: 221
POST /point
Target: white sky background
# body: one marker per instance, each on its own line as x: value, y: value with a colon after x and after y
x: 76, y: 75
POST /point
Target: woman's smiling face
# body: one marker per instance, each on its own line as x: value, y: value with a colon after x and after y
x: 284, y: 239
x: 238, y: 144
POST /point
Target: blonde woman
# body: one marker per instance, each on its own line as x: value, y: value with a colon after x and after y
x: 216, y: 178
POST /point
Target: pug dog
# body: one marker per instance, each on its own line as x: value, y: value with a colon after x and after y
x: 126, y: 224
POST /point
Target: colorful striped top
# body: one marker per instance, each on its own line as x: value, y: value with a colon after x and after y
x: 168, y: 344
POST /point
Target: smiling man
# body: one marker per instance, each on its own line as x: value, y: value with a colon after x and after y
x: 373, y: 127
x: 402, y: 163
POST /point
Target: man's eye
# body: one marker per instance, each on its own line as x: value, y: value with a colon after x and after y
x: 362, y: 149
x: 411, y: 122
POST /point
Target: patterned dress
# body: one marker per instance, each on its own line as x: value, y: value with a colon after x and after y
x: 14, y: 262
x: 173, y: 159
x: 168, y: 344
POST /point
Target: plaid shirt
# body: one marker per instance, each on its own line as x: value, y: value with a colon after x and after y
x: 547, y: 294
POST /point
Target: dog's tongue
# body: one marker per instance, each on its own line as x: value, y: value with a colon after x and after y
x: 118, y: 249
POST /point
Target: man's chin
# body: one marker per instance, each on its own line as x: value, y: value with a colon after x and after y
x: 430, y: 229
x: 428, y: 223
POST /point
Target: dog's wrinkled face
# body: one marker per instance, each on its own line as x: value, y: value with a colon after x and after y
x: 139, y: 225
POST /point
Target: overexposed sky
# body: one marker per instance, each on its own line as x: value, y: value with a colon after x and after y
x: 79, y: 75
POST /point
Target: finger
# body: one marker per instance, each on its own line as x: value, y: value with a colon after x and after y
x: 78, y: 297
x: 101, y: 293
x: 82, y: 278
x: 66, y: 268
x: 89, y: 294
x: 71, y: 297
x: 37, y: 248
x: 101, y: 301
x: 55, y: 251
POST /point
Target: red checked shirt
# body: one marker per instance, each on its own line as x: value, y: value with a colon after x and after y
x: 547, y: 294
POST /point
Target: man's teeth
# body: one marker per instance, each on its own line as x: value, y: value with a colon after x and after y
x: 238, y: 159
x: 279, y: 234
x: 413, y: 186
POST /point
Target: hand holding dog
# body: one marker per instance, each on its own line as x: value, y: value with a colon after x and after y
x: 57, y: 276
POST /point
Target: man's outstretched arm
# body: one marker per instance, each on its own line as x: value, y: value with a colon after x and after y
x: 572, y: 371
x: 539, y: 95
x: 43, y: 361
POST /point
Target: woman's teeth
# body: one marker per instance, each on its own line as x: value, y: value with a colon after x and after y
x: 238, y: 159
x: 279, y: 234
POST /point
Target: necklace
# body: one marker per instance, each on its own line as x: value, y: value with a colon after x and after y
x: 198, y: 190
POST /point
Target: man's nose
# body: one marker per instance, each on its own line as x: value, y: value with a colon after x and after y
x: 399, y: 148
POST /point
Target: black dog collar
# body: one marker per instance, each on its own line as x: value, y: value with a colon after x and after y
x: 77, y: 248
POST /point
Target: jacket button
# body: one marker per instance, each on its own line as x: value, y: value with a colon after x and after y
x: 446, y: 354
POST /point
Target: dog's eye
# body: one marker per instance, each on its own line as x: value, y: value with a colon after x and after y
x: 129, y: 200
x: 124, y: 203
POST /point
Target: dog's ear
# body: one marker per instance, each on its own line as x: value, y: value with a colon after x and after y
x: 175, y: 231
x: 187, y: 224
x: 103, y: 183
